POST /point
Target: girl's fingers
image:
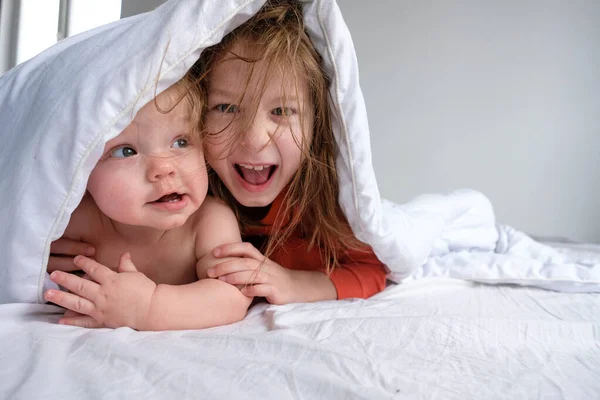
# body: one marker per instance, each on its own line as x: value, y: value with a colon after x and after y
x: 70, y: 301
x: 94, y: 269
x: 68, y: 247
x: 83, y: 321
x: 262, y: 290
x: 239, y: 249
x: 61, y: 264
x: 232, y: 266
x: 244, y: 278
x: 75, y: 284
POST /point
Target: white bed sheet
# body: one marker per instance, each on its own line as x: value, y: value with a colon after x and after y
x: 434, y: 338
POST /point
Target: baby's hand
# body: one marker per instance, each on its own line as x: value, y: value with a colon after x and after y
x: 112, y: 299
x: 82, y: 320
x: 255, y: 274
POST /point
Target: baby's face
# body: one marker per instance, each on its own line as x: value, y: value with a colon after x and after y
x: 152, y: 174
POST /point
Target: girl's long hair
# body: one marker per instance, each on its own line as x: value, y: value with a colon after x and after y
x: 276, y: 35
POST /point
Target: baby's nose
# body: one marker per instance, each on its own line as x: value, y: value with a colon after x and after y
x: 160, y: 168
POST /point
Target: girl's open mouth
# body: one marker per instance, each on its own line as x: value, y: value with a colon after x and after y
x: 255, y: 174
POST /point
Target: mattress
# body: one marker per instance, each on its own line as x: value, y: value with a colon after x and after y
x: 434, y: 338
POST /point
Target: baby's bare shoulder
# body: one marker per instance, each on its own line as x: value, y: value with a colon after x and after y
x: 215, y: 224
x: 211, y: 210
x: 212, y: 205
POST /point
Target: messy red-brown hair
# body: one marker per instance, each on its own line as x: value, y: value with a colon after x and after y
x: 276, y: 35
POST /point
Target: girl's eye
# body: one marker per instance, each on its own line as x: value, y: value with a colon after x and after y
x: 180, y: 143
x: 227, y: 108
x: 122, y: 152
x: 283, y: 111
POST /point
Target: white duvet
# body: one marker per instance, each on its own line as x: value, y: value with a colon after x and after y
x: 460, y: 239
x: 58, y: 109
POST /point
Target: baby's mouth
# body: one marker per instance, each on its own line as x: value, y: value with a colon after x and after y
x: 169, y: 198
x: 255, y: 174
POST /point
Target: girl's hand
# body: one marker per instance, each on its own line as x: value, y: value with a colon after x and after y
x: 62, y: 252
x: 112, y: 299
x: 258, y: 276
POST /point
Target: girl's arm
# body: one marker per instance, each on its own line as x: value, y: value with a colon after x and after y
x: 359, y: 275
x: 86, y: 220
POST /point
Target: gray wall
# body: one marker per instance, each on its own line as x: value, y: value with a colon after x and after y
x: 132, y: 7
x: 501, y: 96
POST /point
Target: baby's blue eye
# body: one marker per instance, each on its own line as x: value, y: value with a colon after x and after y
x: 180, y: 143
x: 122, y: 152
x: 283, y: 111
x: 227, y: 108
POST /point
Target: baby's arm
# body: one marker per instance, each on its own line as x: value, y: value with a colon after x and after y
x: 110, y: 299
x: 207, y: 302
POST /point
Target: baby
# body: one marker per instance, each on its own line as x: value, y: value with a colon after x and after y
x: 146, y: 211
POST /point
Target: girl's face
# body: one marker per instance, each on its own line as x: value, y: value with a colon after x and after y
x: 272, y: 123
x: 153, y: 173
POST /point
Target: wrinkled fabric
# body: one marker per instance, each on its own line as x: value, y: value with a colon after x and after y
x: 58, y: 109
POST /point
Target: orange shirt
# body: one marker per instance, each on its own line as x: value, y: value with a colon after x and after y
x: 359, y: 274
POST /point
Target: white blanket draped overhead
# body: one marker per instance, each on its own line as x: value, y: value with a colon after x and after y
x: 58, y: 109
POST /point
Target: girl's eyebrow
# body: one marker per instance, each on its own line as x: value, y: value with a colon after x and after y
x: 221, y: 91
x: 286, y: 99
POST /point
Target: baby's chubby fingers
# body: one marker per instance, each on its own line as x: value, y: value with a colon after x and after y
x: 98, y: 272
x: 82, y: 321
x: 70, y: 301
x: 75, y: 284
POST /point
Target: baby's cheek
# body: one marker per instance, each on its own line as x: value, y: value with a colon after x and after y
x: 122, y: 205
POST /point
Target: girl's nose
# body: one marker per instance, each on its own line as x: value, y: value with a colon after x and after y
x: 257, y: 136
x: 160, y: 168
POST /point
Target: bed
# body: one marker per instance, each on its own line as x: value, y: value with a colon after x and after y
x: 474, y: 309
x: 435, y: 338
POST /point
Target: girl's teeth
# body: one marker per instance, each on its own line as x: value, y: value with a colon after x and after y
x: 254, y: 167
